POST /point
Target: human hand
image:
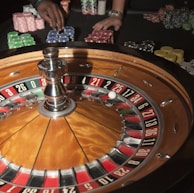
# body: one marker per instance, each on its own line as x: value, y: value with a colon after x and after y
x: 114, y: 21
x: 52, y: 14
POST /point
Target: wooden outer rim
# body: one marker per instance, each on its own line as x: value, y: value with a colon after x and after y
x: 101, y: 54
x: 133, y: 61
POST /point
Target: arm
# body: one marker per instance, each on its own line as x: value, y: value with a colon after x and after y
x: 35, y: 3
x: 118, y: 5
x: 115, y: 17
x: 50, y: 12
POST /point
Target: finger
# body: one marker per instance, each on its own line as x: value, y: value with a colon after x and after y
x: 116, y: 27
x: 45, y: 16
x: 99, y: 25
x: 51, y: 12
x: 105, y: 27
x: 60, y: 20
x: 96, y: 27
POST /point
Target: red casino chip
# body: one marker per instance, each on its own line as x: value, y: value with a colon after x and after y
x: 39, y: 23
x: 100, y: 36
x: 30, y: 20
x: 89, y: 39
x: 27, y: 22
x: 15, y: 23
x: 22, y: 25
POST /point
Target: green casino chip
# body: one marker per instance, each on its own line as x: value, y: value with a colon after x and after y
x: 25, y: 36
x: 17, y: 41
x: 187, y: 26
x: 191, y: 18
x: 29, y: 43
x: 12, y: 34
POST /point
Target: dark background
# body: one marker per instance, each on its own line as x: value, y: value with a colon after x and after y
x: 8, y: 7
x: 134, y: 28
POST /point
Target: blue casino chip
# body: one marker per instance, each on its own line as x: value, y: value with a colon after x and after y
x: 69, y: 30
x: 62, y: 34
x: 67, y: 34
x: 51, y: 40
x: 63, y: 39
x: 53, y: 33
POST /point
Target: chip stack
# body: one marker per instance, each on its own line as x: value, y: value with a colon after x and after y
x: 177, y: 56
x: 84, y: 6
x: 167, y: 49
x: 30, y: 9
x: 70, y: 32
x: 89, y: 7
x: 175, y: 18
x: 179, y: 53
x: 145, y: 45
x: 160, y: 53
x: 171, y: 54
x: 52, y: 36
x: 17, y: 41
x: 188, y: 66
x: 39, y: 22
x: 172, y: 18
x: 19, y: 23
x: 30, y: 21
x: 66, y: 35
x: 100, y: 36
x: 13, y: 40
x: 27, y: 22
x: 63, y: 37
x: 93, y: 7
x: 15, y: 22
x: 189, y: 24
x: 27, y: 39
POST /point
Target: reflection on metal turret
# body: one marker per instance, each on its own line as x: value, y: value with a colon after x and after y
x: 56, y: 102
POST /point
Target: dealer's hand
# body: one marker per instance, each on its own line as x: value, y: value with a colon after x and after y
x: 52, y: 14
x: 116, y: 22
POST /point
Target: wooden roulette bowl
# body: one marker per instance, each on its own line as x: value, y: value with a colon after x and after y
x: 132, y: 122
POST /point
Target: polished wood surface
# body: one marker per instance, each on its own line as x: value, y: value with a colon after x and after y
x: 34, y: 141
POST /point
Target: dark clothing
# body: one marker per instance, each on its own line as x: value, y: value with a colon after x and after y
x: 35, y: 3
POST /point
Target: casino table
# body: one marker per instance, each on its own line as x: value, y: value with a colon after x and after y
x: 134, y: 28
x: 98, y: 77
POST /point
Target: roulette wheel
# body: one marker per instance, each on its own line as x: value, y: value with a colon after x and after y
x: 81, y: 117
